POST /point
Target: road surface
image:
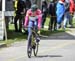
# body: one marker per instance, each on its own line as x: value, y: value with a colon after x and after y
x: 57, y: 47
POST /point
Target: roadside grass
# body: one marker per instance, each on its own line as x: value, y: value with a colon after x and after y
x: 47, y: 21
x: 48, y: 32
x: 74, y: 22
x: 15, y: 36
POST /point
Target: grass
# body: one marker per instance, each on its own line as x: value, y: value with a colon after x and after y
x: 14, y: 37
x: 47, y: 22
x: 74, y: 22
x: 48, y: 32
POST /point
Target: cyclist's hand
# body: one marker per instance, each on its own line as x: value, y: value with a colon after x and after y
x: 24, y: 27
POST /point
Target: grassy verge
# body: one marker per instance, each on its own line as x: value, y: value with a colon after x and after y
x: 14, y: 36
x: 74, y: 22
x: 47, y: 22
x: 48, y: 32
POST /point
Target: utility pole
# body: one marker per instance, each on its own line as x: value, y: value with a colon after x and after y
x: 3, y: 19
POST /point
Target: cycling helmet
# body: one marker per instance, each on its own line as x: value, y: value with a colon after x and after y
x: 34, y: 7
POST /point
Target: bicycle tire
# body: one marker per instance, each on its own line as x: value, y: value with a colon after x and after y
x: 29, y: 49
x: 29, y: 52
x: 35, y: 51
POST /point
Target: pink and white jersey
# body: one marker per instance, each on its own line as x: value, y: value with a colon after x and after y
x: 37, y: 14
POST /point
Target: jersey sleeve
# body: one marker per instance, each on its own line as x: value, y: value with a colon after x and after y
x: 39, y: 19
x: 26, y: 19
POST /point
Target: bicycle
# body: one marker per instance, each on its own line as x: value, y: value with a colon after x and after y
x: 32, y: 45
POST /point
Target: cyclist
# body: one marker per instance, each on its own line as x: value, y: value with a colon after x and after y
x: 33, y: 18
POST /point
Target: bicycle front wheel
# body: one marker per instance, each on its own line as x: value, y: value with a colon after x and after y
x: 29, y: 48
x: 29, y: 52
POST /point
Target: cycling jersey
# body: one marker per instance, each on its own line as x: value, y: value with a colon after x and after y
x: 32, y: 16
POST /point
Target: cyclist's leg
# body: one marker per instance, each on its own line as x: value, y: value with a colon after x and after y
x: 36, y: 29
x: 29, y: 32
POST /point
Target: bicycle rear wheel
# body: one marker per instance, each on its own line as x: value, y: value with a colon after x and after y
x: 35, y: 50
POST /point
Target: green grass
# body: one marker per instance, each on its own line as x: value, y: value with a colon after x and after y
x: 48, y: 32
x: 47, y: 22
x: 1, y: 41
x: 15, y: 36
x: 74, y: 22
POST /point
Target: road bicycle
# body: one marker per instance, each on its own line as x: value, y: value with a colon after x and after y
x: 32, y: 44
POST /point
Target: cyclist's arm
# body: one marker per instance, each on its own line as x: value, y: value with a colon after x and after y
x: 39, y: 19
x: 26, y: 19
